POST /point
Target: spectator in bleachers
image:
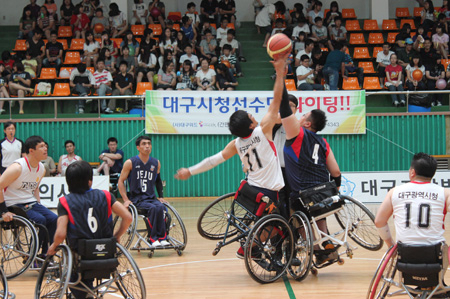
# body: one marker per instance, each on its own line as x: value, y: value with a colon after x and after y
x: 46, y: 22
x: 442, y: 20
x: 332, y: 14
x: 189, y: 30
x: 206, y: 77
x: 279, y: 26
x: 264, y: 20
x: 66, y: 11
x: 230, y: 40
x: 37, y: 47
x: 440, y: 40
x: 306, y: 75
x: 319, y: 33
x: 107, y: 43
x: 167, y: 42
x: 335, y: 63
x: 258, y: 6
x: 91, y: 49
x: 88, y: 9
x: 383, y: 60
x: 427, y: 53
x: 81, y: 81
x: 168, y: 56
x: 118, y: 20
x: 434, y: 72
x: 225, y: 79
x: 406, y: 54
x: 7, y: 60
x: 404, y: 34
x: 182, y: 42
x: 109, y: 60
x: 231, y: 58
x: 99, y: 19
x: 309, y: 46
x: 80, y: 22
x: 227, y: 9
x: 96, y: 4
x: 208, y: 47
x: 49, y: 165
x: 52, y: 9
x: 319, y: 59
x: 193, y: 15
x: 419, y: 37
x: 19, y: 83
x: 148, y: 43
x: 427, y: 16
x: 53, y: 52
x: 337, y: 33
x: 35, y: 9
x: 416, y: 64
x: 167, y: 78
x: 112, y: 158
x: 209, y: 9
x: 27, y: 25
x: 131, y: 61
x: 222, y: 30
x: 140, y: 13
x: 160, y: 16
x: 207, y: 26
x: 186, y: 77
x: 4, y: 94
x: 169, y: 25
x: 146, y: 66
x: 315, y: 12
x: 30, y: 64
x: 103, y: 82
x: 296, y: 14
x: 123, y: 84
x: 130, y: 41
x: 350, y: 67
x: 66, y: 160
x: 189, y: 56
x: 301, y: 27
x: 394, y: 82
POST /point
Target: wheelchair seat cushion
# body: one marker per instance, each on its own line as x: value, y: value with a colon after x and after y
x: 99, y: 269
x: 312, y: 198
x: 254, y: 201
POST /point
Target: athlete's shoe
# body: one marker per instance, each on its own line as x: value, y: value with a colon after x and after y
x: 328, y: 245
x: 322, y: 258
x: 296, y: 262
x: 164, y: 243
x: 156, y: 244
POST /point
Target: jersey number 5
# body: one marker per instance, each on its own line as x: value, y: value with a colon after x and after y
x: 255, y: 153
x: 92, y: 221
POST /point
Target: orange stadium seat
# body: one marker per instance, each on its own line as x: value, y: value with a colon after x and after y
x: 91, y: 69
x: 348, y: 13
x: 389, y: 25
x: 142, y: 87
x: 138, y: 29
x: 176, y: 27
x: 64, y: 43
x: 408, y: 21
x: 118, y: 41
x: 361, y: 53
x: 138, y: 39
x: 61, y: 90
x: 376, y: 38
x: 72, y: 58
x: 157, y: 29
x: 69, y: 69
x: 174, y: 16
x: 357, y: 39
x: 372, y: 83
x: 371, y: 25
x: 351, y: 83
x: 402, y: 12
x: 417, y: 11
x: 76, y: 44
x: 367, y: 66
x: 325, y: 12
x: 65, y: 31
x: 445, y: 63
x: 36, y: 94
x: 324, y: 49
x: 213, y: 25
x: 352, y: 25
x: 290, y: 85
x: 391, y: 37
x: 231, y: 25
x: 48, y: 73
x: 21, y: 45
x: 376, y: 50
x: 279, y: 16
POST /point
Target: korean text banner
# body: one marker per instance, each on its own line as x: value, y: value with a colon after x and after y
x: 208, y: 112
x: 52, y: 188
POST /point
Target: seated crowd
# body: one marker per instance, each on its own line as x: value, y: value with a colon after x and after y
x: 197, y: 51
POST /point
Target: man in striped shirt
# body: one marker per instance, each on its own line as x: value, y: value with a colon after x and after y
x: 103, y: 81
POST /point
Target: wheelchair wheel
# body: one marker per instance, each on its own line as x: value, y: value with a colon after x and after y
x: 128, y: 236
x: 214, y: 221
x: 303, y: 246
x: 384, y: 276
x: 19, y: 246
x: 55, y: 274
x: 176, y: 231
x: 128, y: 276
x: 269, y: 248
x: 4, y: 286
x: 362, y: 228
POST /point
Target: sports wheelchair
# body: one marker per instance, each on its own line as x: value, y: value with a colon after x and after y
x: 413, y: 270
x: 105, y: 264
x: 176, y: 231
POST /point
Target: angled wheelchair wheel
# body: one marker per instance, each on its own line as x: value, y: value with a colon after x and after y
x: 4, y: 286
x: 303, y: 246
x: 215, y: 221
x: 269, y: 249
x: 55, y: 274
x: 176, y: 231
x: 19, y: 246
x: 384, y: 276
x: 128, y: 236
x: 128, y: 277
x: 361, y: 228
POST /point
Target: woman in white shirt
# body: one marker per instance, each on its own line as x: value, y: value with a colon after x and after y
x: 91, y: 48
x: 206, y: 77
x: 168, y: 42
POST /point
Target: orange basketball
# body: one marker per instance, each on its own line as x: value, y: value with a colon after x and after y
x: 278, y: 45
x: 99, y: 28
x: 227, y: 63
x: 417, y: 75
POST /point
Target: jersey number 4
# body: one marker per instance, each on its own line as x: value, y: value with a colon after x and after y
x: 424, y: 215
x: 255, y: 153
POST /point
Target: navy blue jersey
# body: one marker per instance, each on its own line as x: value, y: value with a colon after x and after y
x: 305, y: 159
x: 90, y: 215
x: 142, y: 179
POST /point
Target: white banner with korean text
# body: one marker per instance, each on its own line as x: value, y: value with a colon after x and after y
x: 372, y: 187
x: 52, y: 188
x: 208, y: 112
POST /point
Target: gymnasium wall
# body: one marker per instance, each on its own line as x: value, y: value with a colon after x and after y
x: 369, y: 152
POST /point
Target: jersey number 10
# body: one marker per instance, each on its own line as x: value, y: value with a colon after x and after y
x: 424, y: 215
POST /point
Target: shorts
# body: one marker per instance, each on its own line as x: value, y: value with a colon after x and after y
x: 268, y: 29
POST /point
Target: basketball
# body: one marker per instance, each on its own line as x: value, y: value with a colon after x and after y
x: 441, y: 84
x: 155, y: 12
x: 99, y: 28
x: 226, y: 63
x: 417, y: 75
x: 278, y: 45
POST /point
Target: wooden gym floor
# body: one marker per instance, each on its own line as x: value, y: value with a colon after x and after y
x: 198, y: 274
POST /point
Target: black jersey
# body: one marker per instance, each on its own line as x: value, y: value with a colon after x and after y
x: 142, y: 179
x: 90, y: 215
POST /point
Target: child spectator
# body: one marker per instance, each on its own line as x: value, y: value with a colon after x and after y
x: 168, y: 56
x: 30, y: 64
x: 146, y: 66
x: 383, y: 60
x: 148, y: 43
x: 189, y: 56
x: 433, y: 73
x: 338, y: 33
x: 231, y: 41
x: 411, y: 83
x: 193, y: 15
x: 182, y: 42
x: 100, y: 19
x: 118, y: 20
x: 332, y: 14
x: 394, y: 73
x: 227, y: 10
x: 123, y: 84
x: 52, y: 9
x: 166, y: 76
x: 225, y: 79
x: 140, y: 13
x: 103, y: 80
x: 440, y: 41
x: 301, y: 27
x: 130, y: 41
x: 227, y: 56
x: 19, y: 83
x: 206, y: 77
x: 160, y: 7
x: 299, y: 44
x: 208, y: 48
x: 305, y: 76
x: 315, y: 12
x: 108, y: 60
x: 167, y: 42
x: 279, y: 26
x: 188, y: 29
x: 27, y: 25
x: 91, y: 48
x: 309, y: 46
x: 79, y: 22
x: 186, y: 77
x: 222, y: 30
x: 131, y: 61
x: 427, y: 16
x: 296, y: 14
x: 46, y: 22
x: 207, y: 26
x: 319, y: 32
x: 66, y: 12
x: 110, y: 45
x: 53, y: 52
x: 404, y: 34
x: 81, y: 81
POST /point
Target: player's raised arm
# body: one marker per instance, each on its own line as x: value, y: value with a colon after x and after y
x: 208, y: 163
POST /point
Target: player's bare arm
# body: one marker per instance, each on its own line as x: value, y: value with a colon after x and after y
x: 59, y: 165
x: 332, y: 165
x: 120, y: 210
x: 11, y: 174
x: 60, y: 234
x: 123, y: 176
x: 447, y: 198
x: 36, y: 192
x: 381, y: 219
x: 159, y: 182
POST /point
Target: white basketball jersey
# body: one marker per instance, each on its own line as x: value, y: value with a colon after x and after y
x: 259, y: 156
x: 21, y: 191
x: 419, y: 212
x: 65, y: 162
